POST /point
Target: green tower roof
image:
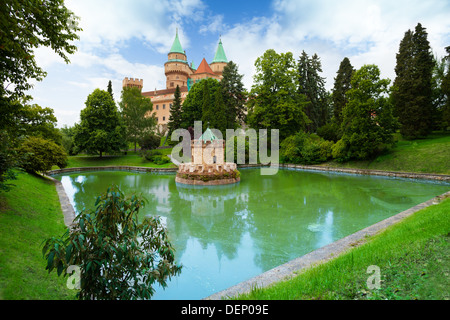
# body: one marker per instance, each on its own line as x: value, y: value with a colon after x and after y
x: 176, y: 46
x: 220, y: 54
x: 208, y: 135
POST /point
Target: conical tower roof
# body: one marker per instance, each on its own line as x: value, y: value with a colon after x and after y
x: 220, y: 54
x: 176, y: 46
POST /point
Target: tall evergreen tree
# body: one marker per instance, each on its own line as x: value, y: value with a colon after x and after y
x: 110, y: 91
x: 220, y: 119
x: 445, y: 87
x: 412, y: 91
x: 234, y: 95
x: 342, y: 83
x: 207, y: 108
x: 175, y: 112
x: 312, y: 85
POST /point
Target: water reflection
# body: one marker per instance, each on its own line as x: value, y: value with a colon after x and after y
x: 227, y: 234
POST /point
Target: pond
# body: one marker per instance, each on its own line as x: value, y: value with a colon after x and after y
x: 224, y: 235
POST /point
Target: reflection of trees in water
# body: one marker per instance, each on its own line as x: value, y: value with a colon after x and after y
x: 286, y: 215
x: 209, y: 214
x: 295, y: 212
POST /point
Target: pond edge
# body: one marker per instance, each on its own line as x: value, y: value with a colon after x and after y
x: 291, y: 268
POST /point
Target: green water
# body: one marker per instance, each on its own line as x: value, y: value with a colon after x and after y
x: 227, y: 234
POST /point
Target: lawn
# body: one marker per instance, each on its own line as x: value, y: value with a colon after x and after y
x: 131, y: 159
x: 413, y: 257
x: 29, y: 214
x: 430, y: 155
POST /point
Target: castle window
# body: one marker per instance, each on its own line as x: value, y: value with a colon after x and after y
x: 156, y: 118
x: 171, y: 84
x: 164, y: 106
x: 157, y: 107
x: 164, y: 118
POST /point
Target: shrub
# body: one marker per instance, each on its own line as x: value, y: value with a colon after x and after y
x: 305, y: 148
x: 156, y: 157
x: 149, y: 141
x: 119, y: 255
x: 38, y: 154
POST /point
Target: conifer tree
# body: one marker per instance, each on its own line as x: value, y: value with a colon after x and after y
x: 207, y: 110
x: 234, y: 95
x: 312, y: 85
x: 342, y: 83
x: 110, y: 91
x: 445, y: 87
x: 175, y: 112
x: 412, y: 92
x: 220, y: 119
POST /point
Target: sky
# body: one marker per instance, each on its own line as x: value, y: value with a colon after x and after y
x: 132, y: 39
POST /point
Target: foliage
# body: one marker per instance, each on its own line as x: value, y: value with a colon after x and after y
x: 305, y: 148
x: 34, y: 120
x: 67, y: 139
x: 38, y: 155
x: 110, y: 90
x: 101, y: 128
x: 342, y: 83
x: 312, y: 85
x: 175, y: 119
x: 195, y: 100
x: 234, y: 95
x: 274, y: 102
x: 7, y: 161
x: 135, y: 110
x: 156, y: 157
x: 368, y: 122
x: 149, y: 141
x: 26, y: 26
x: 412, y: 94
x: 330, y: 131
x: 445, y: 87
x: 119, y: 256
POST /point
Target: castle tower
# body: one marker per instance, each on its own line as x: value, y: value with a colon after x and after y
x: 139, y: 83
x: 220, y: 60
x: 176, y: 68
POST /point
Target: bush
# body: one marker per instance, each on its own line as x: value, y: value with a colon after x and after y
x: 38, y: 154
x: 118, y: 255
x: 156, y: 157
x: 305, y: 148
x: 149, y: 141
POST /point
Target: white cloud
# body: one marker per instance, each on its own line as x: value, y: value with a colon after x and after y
x: 367, y: 31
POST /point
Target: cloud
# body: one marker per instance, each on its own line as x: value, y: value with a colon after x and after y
x: 366, y: 31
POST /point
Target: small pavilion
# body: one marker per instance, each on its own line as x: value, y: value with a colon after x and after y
x: 207, y: 166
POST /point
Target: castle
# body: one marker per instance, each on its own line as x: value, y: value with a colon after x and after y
x: 179, y: 72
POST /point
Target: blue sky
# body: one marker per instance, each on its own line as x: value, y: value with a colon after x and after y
x: 132, y: 38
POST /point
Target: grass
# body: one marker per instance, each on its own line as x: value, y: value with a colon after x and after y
x: 413, y: 257
x: 29, y: 214
x: 131, y: 159
x: 430, y: 155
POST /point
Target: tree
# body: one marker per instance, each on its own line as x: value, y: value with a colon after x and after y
x: 110, y: 91
x: 39, y: 122
x: 234, y: 95
x: 342, y: 83
x: 175, y: 119
x: 119, y: 256
x: 26, y: 26
x: 220, y: 120
x: 101, y: 128
x: 445, y: 87
x: 368, y: 123
x: 39, y: 155
x: 136, y: 114
x: 274, y: 101
x: 312, y: 85
x: 412, y: 92
x: 196, y: 99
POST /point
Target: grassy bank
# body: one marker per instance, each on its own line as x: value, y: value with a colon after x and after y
x: 430, y: 155
x: 29, y: 214
x: 413, y: 257
x: 131, y: 159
